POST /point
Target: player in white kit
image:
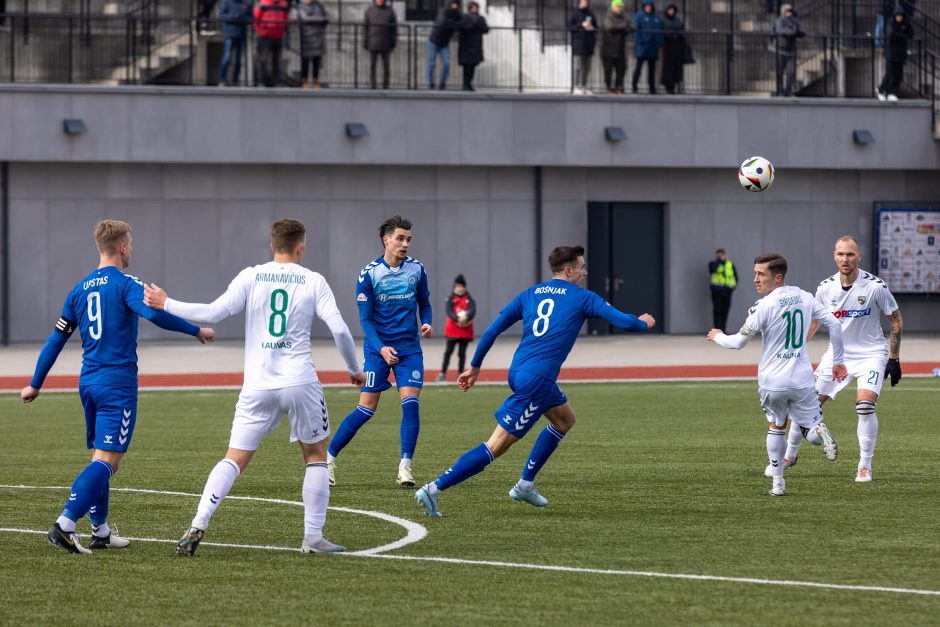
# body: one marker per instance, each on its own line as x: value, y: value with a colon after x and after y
x: 280, y: 299
x: 785, y: 374
x: 857, y: 298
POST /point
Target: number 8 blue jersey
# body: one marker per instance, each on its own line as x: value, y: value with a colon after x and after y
x: 552, y: 315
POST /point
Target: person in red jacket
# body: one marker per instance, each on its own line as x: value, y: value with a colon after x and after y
x: 270, y: 24
x: 458, y: 329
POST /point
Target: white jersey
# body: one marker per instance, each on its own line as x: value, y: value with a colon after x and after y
x: 280, y: 301
x: 782, y: 318
x: 858, y: 308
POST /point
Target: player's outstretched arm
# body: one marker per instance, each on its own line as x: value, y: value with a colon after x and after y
x: 47, y: 358
x: 345, y: 345
x: 893, y: 367
x: 467, y: 378
x: 228, y: 304
x: 822, y: 316
x: 597, y: 307
x: 734, y: 342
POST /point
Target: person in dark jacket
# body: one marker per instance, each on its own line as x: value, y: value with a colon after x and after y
x: 674, y: 45
x: 313, y: 20
x: 786, y: 31
x: 458, y: 329
x: 898, y: 36
x: 447, y: 21
x: 583, y: 27
x: 379, y: 38
x: 648, y: 41
x: 616, y: 27
x: 236, y: 16
x: 270, y: 24
x: 470, y: 50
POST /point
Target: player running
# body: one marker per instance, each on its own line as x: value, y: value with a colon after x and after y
x: 785, y: 374
x: 390, y: 290
x: 856, y: 298
x: 104, y: 307
x: 552, y: 315
x: 280, y: 299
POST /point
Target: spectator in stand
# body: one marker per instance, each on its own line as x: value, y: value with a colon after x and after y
x: 674, y: 46
x: 236, y: 16
x: 583, y: 27
x: 313, y: 20
x: 379, y: 38
x: 614, y: 46
x: 786, y: 31
x: 270, y: 24
x: 458, y: 329
x: 470, y: 51
x: 898, y: 37
x: 447, y: 21
x: 203, y: 27
x: 648, y: 41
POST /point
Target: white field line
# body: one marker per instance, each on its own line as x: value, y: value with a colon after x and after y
x: 414, y: 531
x: 374, y: 553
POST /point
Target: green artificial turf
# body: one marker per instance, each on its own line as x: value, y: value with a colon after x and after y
x: 655, y: 477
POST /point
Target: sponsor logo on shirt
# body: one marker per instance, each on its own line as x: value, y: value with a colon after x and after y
x: 415, y: 375
x: 385, y: 297
x: 362, y: 298
x: 852, y: 313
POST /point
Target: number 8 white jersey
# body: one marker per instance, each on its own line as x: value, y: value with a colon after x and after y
x: 280, y: 301
x: 782, y: 318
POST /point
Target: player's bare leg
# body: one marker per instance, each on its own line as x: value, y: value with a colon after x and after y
x: 562, y: 420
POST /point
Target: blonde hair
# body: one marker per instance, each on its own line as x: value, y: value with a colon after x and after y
x: 109, y: 234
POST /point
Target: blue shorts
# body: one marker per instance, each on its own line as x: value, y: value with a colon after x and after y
x: 110, y: 415
x: 531, y: 397
x: 409, y: 372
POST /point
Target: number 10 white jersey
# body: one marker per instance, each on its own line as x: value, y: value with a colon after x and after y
x: 782, y: 318
x: 280, y: 301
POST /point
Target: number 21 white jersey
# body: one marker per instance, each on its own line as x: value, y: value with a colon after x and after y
x: 858, y: 309
x: 782, y: 318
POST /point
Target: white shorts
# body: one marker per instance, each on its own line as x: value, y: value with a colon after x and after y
x: 258, y: 413
x: 802, y: 406
x: 869, y: 372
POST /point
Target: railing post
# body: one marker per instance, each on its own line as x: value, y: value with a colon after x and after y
x: 12, y: 49
x: 729, y: 53
x: 69, y: 53
x: 356, y: 55
x: 519, y: 39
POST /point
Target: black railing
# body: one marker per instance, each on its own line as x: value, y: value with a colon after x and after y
x: 136, y: 50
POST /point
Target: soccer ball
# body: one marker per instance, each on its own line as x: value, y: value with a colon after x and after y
x: 756, y: 174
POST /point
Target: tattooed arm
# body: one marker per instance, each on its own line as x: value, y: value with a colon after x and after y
x: 894, y: 337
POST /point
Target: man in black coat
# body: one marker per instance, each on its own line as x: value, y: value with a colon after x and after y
x: 448, y: 20
x: 380, y: 37
x: 898, y: 36
x: 583, y: 27
x: 470, y: 52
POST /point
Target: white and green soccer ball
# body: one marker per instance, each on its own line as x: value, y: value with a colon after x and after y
x: 756, y: 174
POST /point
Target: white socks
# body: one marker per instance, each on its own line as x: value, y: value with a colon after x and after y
x: 433, y: 490
x: 776, y: 447
x: 66, y: 524
x: 316, y: 493
x: 525, y: 486
x: 101, y: 531
x: 217, y: 486
x: 867, y: 432
x: 404, y: 463
x: 794, y: 440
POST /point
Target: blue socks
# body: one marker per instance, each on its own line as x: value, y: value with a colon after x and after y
x: 87, y: 490
x: 469, y: 464
x: 410, y: 426
x: 99, y: 511
x: 545, y: 445
x: 348, y: 428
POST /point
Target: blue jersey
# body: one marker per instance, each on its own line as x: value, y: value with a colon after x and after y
x: 104, y: 308
x: 390, y: 300
x: 552, y: 315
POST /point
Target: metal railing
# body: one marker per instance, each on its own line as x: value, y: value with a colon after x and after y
x: 145, y: 49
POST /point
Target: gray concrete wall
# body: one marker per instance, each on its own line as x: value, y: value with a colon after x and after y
x: 196, y: 226
x: 202, y: 173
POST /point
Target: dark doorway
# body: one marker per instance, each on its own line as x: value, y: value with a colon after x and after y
x: 422, y: 10
x: 626, y: 259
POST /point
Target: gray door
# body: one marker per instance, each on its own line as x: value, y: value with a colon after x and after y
x: 626, y: 259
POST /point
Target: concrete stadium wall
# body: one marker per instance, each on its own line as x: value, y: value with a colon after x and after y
x: 202, y: 173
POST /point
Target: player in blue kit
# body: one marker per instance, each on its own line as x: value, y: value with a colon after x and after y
x: 392, y: 293
x: 104, y: 307
x: 552, y: 315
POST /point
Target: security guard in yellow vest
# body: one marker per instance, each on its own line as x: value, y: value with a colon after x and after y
x: 724, y: 278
